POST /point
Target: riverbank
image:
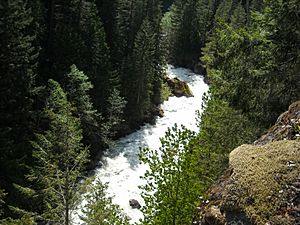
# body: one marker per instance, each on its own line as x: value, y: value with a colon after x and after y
x: 120, y: 166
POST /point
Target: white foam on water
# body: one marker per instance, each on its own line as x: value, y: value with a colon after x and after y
x: 121, y: 168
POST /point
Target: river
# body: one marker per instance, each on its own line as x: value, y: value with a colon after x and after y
x: 120, y: 166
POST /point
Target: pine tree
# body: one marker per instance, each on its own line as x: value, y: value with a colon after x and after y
x: 224, y: 10
x: 100, y: 209
x: 2, y: 196
x: 18, y: 61
x: 172, y: 182
x: 238, y: 18
x: 78, y: 89
x: 282, y: 24
x: 154, y: 14
x: 60, y: 158
x: 114, y: 115
x: 107, y: 11
x: 96, y: 64
x: 141, y: 79
x: 191, y: 21
x: 64, y: 44
x: 129, y: 17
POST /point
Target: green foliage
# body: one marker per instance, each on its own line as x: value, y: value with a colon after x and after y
x: 190, y: 22
x: 115, y: 110
x: 239, y: 62
x: 139, y: 55
x: 223, y: 11
x: 99, y: 208
x: 60, y: 158
x: 246, y: 68
x: 78, y: 92
x: 18, y: 61
x: 96, y: 64
x: 217, y: 136
x: 143, y: 54
x: 165, y: 92
x: 171, y: 191
x: 25, y: 220
x: 238, y: 17
x: 78, y: 89
x: 2, y: 196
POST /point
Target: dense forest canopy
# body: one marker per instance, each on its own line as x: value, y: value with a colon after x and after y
x: 76, y: 74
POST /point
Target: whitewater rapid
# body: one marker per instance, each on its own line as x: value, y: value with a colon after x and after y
x: 121, y: 168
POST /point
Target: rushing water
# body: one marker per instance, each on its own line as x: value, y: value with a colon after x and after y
x: 121, y: 168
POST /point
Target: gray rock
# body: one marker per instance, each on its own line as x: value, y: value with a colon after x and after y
x: 134, y: 204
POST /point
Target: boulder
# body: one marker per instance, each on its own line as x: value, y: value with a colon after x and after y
x: 134, y: 204
x: 161, y: 113
x: 178, y: 87
x: 200, y: 69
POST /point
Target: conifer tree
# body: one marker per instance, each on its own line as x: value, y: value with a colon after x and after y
x: 18, y: 61
x: 107, y: 11
x: 238, y: 17
x: 100, y: 209
x: 64, y: 44
x: 191, y: 21
x: 60, y: 158
x: 141, y: 79
x: 114, y: 116
x: 172, y: 183
x: 154, y: 15
x: 224, y: 11
x: 78, y: 89
x: 96, y: 64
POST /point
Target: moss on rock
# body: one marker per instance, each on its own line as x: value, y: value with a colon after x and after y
x: 263, y: 182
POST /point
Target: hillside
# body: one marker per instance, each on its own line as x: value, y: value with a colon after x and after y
x: 262, y: 183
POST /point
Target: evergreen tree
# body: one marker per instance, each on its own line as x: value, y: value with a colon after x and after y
x: 141, y: 79
x: 100, y: 209
x: 64, y: 44
x: 238, y: 18
x: 191, y: 22
x: 223, y: 12
x: 107, y: 11
x: 96, y: 64
x: 18, y: 61
x: 171, y: 188
x: 60, y: 158
x: 114, y: 115
x: 129, y: 18
x: 78, y: 89
x: 154, y: 15
x: 2, y: 196
x: 282, y: 25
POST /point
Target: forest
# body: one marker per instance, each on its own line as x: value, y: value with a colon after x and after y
x: 75, y: 75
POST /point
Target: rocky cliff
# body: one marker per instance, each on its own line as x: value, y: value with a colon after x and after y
x: 262, y: 183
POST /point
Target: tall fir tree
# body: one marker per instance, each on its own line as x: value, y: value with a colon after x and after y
x: 60, y: 158
x: 96, y: 64
x: 191, y: 21
x: 18, y: 62
x: 141, y: 78
x: 63, y: 42
x: 172, y: 184
x: 78, y: 89
x: 100, y: 209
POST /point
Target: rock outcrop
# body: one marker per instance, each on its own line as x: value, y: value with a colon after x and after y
x: 178, y: 87
x: 262, y: 183
x: 284, y: 128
